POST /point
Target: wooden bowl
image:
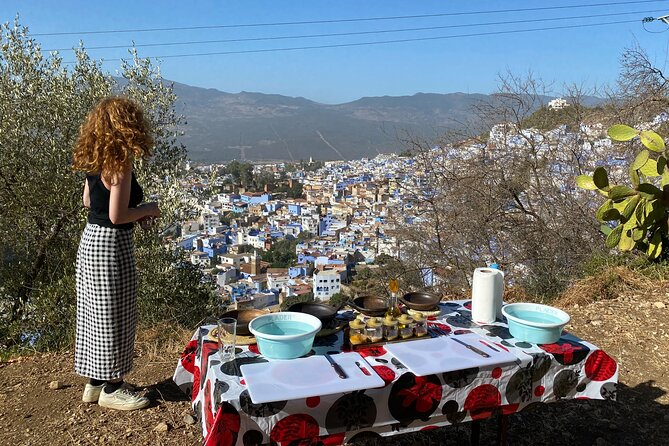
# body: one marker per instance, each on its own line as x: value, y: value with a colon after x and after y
x: 325, y: 313
x: 243, y: 318
x: 421, y: 300
x: 370, y: 305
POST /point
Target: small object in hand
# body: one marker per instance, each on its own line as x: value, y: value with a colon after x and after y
x: 146, y: 222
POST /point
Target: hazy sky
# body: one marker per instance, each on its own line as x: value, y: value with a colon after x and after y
x: 588, y: 55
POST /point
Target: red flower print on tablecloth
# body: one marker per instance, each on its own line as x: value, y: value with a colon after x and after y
x: 443, y: 327
x: 385, y: 372
x: 482, y: 400
x: 599, y: 366
x: 296, y: 427
x: 188, y: 356
x: 376, y: 350
x: 196, y: 383
x: 325, y: 440
x: 566, y: 352
x: 208, y: 349
x: 414, y: 397
x: 225, y: 427
x: 208, y: 409
x: 254, y: 348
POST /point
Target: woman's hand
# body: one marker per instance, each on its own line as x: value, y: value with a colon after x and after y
x: 151, y: 209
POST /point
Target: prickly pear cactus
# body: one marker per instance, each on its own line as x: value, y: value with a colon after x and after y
x: 640, y: 210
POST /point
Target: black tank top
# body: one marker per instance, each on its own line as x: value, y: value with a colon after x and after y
x: 99, y: 196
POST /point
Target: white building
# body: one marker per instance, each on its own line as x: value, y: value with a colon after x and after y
x: 326, y: 284
x: 558, y: 104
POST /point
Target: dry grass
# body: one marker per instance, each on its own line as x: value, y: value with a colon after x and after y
x: 162, y: 342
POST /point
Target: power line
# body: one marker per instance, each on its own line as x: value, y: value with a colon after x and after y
x: 382, y: 42
x: 309, y: 36
x: 314, y: 22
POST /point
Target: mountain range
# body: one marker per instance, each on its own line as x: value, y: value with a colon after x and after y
x: 256, y: 126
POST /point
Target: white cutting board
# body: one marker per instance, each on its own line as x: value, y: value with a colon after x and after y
x: 304, y: 377
x: 442, y: 354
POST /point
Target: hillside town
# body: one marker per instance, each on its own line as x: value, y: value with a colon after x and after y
x: 346, y: 217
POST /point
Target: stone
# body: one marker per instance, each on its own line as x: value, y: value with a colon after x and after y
x: 659, y: 305
x: 55, y: 385
x: 161, y: 427
x: 596, y: 322
x: 188, y: 419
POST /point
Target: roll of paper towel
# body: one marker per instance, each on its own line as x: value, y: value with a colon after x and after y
x: 487, y: 292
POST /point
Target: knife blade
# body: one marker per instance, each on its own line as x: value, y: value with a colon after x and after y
x: 472, y: 348
x: 336, y: 366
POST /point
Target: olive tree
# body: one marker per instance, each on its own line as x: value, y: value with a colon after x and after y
x: 42, y: 103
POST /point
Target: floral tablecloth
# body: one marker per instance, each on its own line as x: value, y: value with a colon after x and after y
x: 570, y: 368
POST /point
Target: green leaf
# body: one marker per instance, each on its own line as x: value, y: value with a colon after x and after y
x: 661, y: 164
x: 585, y: 182
x: 652, y: 140
x: 620, y: 132
x: 607, y: 205
x: 626, y: 243
x: 655, y: 245
x: 634, y: 177
x: 640, y: 160
x: 605, y: 229
x: 649, y: 190
x: 611, y: 215
x: 665, y: 178
x: 650, y: 168
x: 638, y: 234
x: 600, y: 178
x: 613, y: 238
x: 620, y: 192
x: 630, y: 206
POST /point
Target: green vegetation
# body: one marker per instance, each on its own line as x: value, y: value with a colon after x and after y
x: 292, y: 300
x: 42, y: 104
x: 640, y: 211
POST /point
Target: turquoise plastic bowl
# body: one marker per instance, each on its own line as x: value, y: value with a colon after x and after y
x: 285, y: 335
x: 536, y: 323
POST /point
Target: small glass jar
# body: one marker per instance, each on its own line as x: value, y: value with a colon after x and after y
x: 374, y: 330
x: 419, y: 324
x: 356, y: 332
x: 390, y: 332
x: 405, y: 325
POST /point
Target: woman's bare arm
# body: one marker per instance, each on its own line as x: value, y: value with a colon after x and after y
x: 87, y: 195
x: 119, y: 198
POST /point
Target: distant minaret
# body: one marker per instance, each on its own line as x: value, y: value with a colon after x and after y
x: 311, y: 160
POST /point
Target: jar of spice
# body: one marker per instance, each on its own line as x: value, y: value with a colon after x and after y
x: 419, y: 324
x: 405, y: 325
x: 390, y: 332
x: 374, y: 330
x: 356, y: 332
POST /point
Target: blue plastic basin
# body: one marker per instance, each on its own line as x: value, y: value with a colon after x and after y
x: 285, y: 335
x: 537, y: 323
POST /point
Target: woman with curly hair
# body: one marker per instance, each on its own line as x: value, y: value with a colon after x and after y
x: 114, y: 134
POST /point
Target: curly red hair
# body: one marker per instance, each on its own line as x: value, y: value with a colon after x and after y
x: 114, y: 133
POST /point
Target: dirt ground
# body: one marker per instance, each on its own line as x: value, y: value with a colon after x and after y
x: 632, y: 326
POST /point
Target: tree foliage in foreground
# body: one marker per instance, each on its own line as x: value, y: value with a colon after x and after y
x: 42, y: 103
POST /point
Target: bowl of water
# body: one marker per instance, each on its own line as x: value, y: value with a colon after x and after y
x: 285, y: 335
x: 537, y: 323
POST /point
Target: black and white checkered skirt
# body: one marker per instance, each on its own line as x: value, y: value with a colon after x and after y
x: 106, y: 303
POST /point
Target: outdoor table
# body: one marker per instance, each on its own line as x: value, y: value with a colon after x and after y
x: 571, y: 368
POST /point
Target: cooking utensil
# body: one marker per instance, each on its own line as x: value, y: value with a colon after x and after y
x: 370, y: 305
x: 336, y: 366
x: 325, y: 313
x: 243, y: 318
x: 472, y: 348
x: 421, y: 300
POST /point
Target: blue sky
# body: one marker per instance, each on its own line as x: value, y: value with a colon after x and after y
x: 588, y: 56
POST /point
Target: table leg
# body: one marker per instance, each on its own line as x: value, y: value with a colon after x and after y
x: 475, y: 437
x: 503, y: 430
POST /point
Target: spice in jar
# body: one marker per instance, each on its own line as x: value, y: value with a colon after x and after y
x: 405, y: 325
x: 374, y: 330
x: 356, y: 334
x: 390, y: 332
x: 420, y: 324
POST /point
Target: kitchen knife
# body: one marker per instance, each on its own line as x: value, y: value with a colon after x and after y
x: 336, y: 366
x: 472, y: 348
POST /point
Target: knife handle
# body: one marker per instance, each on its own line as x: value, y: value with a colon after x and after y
x: 476, y: 350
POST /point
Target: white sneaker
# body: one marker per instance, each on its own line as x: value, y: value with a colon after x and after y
x: 91, y: 393
x: 123, y: 398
